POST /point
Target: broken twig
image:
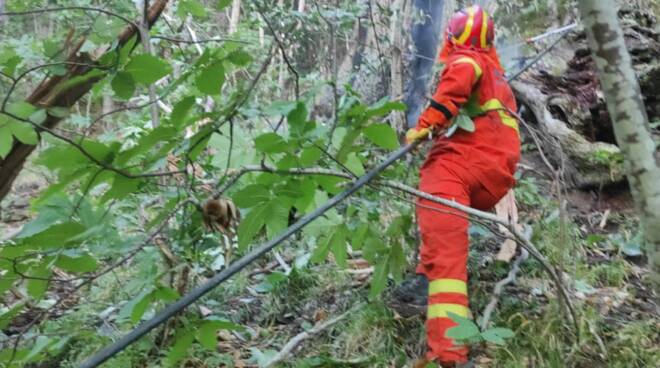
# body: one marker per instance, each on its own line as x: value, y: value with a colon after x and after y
x: 296, y: 340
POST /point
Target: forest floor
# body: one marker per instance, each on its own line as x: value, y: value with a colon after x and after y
x: 594, y: 241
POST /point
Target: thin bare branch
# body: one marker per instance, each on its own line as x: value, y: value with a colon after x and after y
x: 91, y: 157
x: 35, y: 68
x: 499, y: 287
x: 67, y: 8
x: 205, y: 40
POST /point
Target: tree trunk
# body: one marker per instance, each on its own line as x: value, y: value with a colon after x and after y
x: 146, y: 43
x: 425, y: 37
x: 49, y: 94
x: 626, y: 107
x: 2, y: 10
x: 235, y: 16
x: 396, y: 67
x: 553, y: 12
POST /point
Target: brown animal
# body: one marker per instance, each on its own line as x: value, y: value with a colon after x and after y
x: 221, y: 215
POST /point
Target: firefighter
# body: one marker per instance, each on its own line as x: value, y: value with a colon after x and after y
x: 472, y: 168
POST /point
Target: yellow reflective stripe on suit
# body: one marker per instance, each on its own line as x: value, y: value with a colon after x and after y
x: 441, y: 310
x: 495, y: 104
x: 468, y: 60
x: 447, y: 286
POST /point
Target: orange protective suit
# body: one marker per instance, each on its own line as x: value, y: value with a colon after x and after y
x: 474, y: 169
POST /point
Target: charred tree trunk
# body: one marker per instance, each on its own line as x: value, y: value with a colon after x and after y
x: 626, y: 107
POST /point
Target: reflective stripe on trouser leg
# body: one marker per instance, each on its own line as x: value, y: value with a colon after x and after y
x: 447, y: 297
x: 443, y: 256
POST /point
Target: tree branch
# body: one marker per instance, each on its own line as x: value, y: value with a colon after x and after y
x: 520, y: 238
x: 296, y: 340
x: 509, y: 279
x: 47, y: 94
x: 66, y: 8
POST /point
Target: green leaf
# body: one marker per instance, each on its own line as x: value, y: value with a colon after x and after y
x: 207, y: 332
x: 39, y: 345
x: 278, y: 216
x: 76, y: 262
x: 330, y: 183
x: 464, y: 122
x: 181, y: 110
x: 199, y: 141
x: 55, y: 236
x: 384, y: 107
x: 251, y: 195
x: 310, y: 156
x: 280, y: 108
x: 9, y: 60
x: 270, y: 143
x: 465, y: 330
x: 136, y: 307
x: 37, y: 285
x: 347, y: 143
x: 338, y: 245
x: 7, y: 281
x: 5, y: 140
x: 121, y: 187
x: 53, y: 157
x: 497, y: 335
x: 397, y: 259
x: 192, y: 7
x: 211, y: 79
x: 321, y: 251
x: 147, y: 69
x: 373, y: 249
x: 378, y: 280
x: 38, y: 116
x: 96, y: 74
x: 297, y: 118
x: 239, y: 58
x: 159, y: 135
x: 51, y: 47
x: 21, y: 109
x: 123, y: 85
x: 25, y: 132
x: 7, y: 316
x: 382, y: 135
x: 222, y: 4
x: 305, y: 197
x: 182, y: 343
x: 354, y: 164
x: 166, y: 294
x: 359, y: 235
x: 207, y: 335
x: 251, y: 224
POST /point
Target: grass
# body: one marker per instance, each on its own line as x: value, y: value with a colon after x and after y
x: 373, y: 336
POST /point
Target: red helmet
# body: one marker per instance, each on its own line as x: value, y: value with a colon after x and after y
x: 471, y: 27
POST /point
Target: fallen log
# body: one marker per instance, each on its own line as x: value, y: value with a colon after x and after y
x: 568, y: 105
